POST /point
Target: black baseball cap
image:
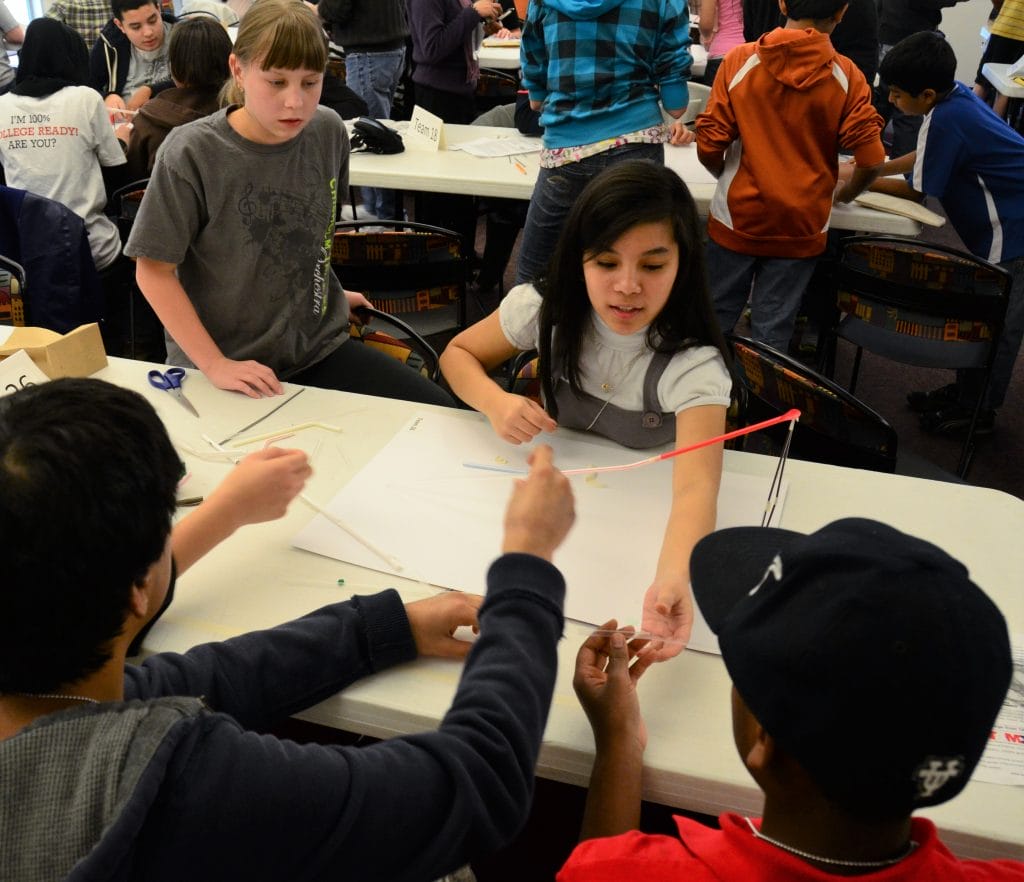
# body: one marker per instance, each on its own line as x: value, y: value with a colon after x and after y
x: 869, y: 655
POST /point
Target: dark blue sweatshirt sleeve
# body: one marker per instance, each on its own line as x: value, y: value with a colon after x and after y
x: 410, y: 808
x: 267, y: 675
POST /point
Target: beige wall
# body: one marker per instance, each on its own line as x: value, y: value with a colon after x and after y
x: 962, y: 26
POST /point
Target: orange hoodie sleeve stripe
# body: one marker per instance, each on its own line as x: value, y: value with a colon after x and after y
x: 779, y: 112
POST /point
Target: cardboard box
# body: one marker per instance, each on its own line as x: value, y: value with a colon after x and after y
x: 78, y: 353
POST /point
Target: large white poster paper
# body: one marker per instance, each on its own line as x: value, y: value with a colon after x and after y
x: 418, y: 503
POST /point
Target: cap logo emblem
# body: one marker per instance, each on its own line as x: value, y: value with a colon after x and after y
x: 933, y: 774
x: 774, y: 569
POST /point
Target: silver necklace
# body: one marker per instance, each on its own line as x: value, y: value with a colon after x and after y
x: 59, y: 696
x: 609, y: 389
x: 911, y: 847
x: 608, y: 386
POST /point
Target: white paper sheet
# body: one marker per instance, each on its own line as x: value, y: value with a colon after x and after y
x: 18, y: 371
x: 1003, y: 760
x: 442, y: 522
x: 511, y: 146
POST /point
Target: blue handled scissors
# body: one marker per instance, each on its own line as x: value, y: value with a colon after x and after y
x: 170, y: 381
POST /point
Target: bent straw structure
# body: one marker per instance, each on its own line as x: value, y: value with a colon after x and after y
x: 390, y: 560
x: 790, y: 416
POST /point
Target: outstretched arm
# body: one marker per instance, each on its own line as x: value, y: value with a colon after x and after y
x: 884, y: 182
x: 406, y: 808
x: 258, y: 489
x: 159, y: 283
x: 680, y: 134
x: 139, y: 97
x: 541, y: 510
x: 708, y: 10
x: 668, y: 605
x: 857, y: 183
x: 466, y: 364
x: 607, y: 671
x: 896, y: 187
x: 901, y: 165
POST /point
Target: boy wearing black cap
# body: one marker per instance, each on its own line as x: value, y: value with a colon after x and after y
x: 836, y: 643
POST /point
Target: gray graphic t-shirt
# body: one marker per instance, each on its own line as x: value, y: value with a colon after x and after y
x: 146, y: 68
x: 249, y: 227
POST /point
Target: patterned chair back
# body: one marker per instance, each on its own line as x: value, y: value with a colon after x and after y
x: 12, y: 286
x: 834, y: 427
x: 407, y: 269
x: 494, y: 88
x: 929, y: 296
x: 920, y: 304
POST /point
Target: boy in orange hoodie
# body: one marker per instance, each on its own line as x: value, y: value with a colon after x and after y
x: 781, y: 110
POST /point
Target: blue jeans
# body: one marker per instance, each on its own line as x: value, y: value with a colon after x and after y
x: 374, y: 76
x: 1006, y: 349
x: 774, y: 286
x: 556, y: 191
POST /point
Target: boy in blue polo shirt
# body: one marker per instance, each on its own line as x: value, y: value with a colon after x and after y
x: 970, y: 160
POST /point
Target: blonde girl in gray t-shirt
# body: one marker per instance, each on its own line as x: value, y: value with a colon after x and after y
x: 233, y: 237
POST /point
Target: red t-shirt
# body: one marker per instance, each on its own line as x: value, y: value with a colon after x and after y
x: 702, y: 854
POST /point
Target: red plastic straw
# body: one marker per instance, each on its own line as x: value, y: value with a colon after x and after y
x: 790, y: 416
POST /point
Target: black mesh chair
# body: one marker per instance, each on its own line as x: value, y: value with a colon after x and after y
x: 144, y: 333
x: 124, y: 203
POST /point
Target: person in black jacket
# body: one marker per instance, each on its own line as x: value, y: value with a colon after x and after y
x: 505, y: 217
x: 373, y: 35
x: 151, y: 782
x: 128, y: 63
x: 898, y: 19
x: 856, y: 36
